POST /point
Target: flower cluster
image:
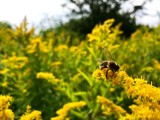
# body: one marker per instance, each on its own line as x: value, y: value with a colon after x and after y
x: 5, y: 113
x: 13, y: 62
x: 105, y: 73
x: 63, y: 112
x: 34, y: 115
x: 64, y: 64
x: 37, y: 45
x: 145, y: 96
x: 108, y: 107
x: 48, y: 76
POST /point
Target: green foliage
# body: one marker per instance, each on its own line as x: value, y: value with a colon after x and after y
x: 4, y: 25
x: 26, y: 54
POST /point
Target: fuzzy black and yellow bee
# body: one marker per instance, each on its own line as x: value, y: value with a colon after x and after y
x: 109, y: 65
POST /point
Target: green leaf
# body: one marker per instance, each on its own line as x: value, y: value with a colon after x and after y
x: 86, y: 77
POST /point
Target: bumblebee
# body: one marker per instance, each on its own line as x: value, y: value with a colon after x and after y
x: 110, y: 65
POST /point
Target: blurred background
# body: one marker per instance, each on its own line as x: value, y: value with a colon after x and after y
x: 58, y: 40
x: 14, y: 11
x: 47, y: 13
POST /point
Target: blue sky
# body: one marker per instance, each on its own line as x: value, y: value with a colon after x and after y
x: 14, y: 11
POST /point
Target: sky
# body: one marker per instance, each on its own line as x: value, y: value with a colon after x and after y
x: 13, y: 11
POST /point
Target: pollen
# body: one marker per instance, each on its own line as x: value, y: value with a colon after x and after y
x: 99, y: 74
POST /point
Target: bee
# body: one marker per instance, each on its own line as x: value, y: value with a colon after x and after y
x: 109, y: 65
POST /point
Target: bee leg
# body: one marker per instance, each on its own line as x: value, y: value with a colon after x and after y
x: 107, y: 73
x: 112, y: 73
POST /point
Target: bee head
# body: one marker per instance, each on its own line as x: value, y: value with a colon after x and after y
x: 114, y: 66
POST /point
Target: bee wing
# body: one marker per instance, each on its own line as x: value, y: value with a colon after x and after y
x: 107, y: 52
x: 98, y: 60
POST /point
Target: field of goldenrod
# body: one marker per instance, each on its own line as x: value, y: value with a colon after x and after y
x: 44, y: 76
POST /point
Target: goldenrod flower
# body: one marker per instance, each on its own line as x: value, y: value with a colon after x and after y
x: 35, y: 115
x: 58, y: 118
x: 103, y: 34
x: 105, y: 73
x: 144, y: 112
x: 14, y: 62
x: 4, y: 71
x: 4, y: 102
x: 146, y: 97
x: 136, y: 33
x: 73, y: 49
x: 5, y: 113
x: 56, y: 63
x: 31, y: 115
x: 99, y: 74
x: 61, y: 48
x: 112, y: 89
x: 48, y: 76
x: 63, y: 112
x: 156, y: 64
x: 37, y: 44
x: 108, y: 107
x: 5, y: 84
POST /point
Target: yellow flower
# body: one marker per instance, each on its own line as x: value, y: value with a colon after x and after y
x: 128, y: 81
x: 109, y: 22
x: 118, y: 77
x: 4, y: 71
x: 5, y: 113
x: 146, y: 97
x: 48, y: 76
x: 57, y: 118
x: 28, y: 109
x: 14, y: 62
x: 101, y: 33
x: 63, y: 112
x: 61, y: 48
x: 144, y: 112
x: 31, y: 115
x: 5, y: 84
x: 112, y: 47
x: 56, y: 63
x: 73, y: 49
x: 35, y: 115
x: 24, y: 90
x: 99, y: 74
x: 75, y: 104
x: 136, y: 34
x: 156, y: 64
x: 45, y: 75
x: 108, y: 107
x: 112, y: 89
x: 4, y: 102
x: 37, y: 44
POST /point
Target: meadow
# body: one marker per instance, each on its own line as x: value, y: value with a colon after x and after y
x: 51, y: 76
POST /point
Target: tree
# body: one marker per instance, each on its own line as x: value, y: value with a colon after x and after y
x: 4, y: 25
x: 92, y: 12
